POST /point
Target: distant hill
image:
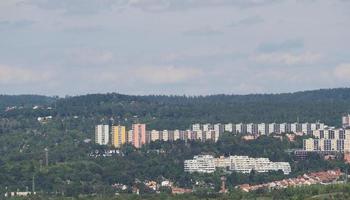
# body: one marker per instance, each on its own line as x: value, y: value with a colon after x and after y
x: 170, y: 112
x: 326, y: 105
x: 24, y: 100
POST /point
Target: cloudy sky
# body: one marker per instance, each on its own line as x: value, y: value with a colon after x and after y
x: 59, y: 47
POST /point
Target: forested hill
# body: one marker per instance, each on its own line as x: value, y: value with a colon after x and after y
x: 326, y: 105
x: 167, y: 112
x: 24, y: 100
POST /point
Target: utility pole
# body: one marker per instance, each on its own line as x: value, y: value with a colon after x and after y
x: 346, y: 175
x: 46, y: 156
x: 33, y: 184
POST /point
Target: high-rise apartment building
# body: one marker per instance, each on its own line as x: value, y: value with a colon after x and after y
x: 271, y: 128
x: 196, y: 127
x: 250, y: 128
x: 165, y: 135
x: 177, y: 135
x: 139, y: 135
x: 346, y: 121
x: 154, y: 135
x: 219, y: 128
x: 262, y: 129
x: 328, y: 140
x: 229, y: 127
x: 130, y: 136
x: 102, y: 134
x: 207, y: 127
x: 119, y: 136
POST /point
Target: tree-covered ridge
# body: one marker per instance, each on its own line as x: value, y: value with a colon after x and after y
x: 24, y: 100
x: 179, y: 112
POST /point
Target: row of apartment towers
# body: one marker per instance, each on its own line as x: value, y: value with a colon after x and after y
x: 117, y: 135
x: 138, y: 135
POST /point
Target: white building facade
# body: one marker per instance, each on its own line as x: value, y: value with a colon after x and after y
x: 102, y: 134
x: 241, y: 164
x: 200, y: 164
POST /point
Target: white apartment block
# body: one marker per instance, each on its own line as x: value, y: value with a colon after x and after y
x: 339, y: 145
x: 305, y: 128
x: 241, y: 128
x: 102, y: 134
x: 207, y: 127
x: 222, y: 162
x: 262, y: 129
x: 199, y: 135
x: 196, y: 127
x: 250, y: 128
x: 346, y: 121
x: 283, y: 128
x: 201, y: 164
x: 176, y: 135
x: 328, y: 140
x: 242, y: 164
x: 219, y: 128
x: 215, y: 136
x: 293, y: 127
x: 332, y: 134
x: 229, y: 128
x: 208, y: 134
x: 271, y: 128
x: 154, y: 135
x: 245, y: 164
x: 165, y: 135
x: 130, y: 136
x: 313, y: 126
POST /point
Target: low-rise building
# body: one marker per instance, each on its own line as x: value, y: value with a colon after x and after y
x: 245, y: 164
x: 201, y: 164
x: 324, y: 177
x: 242, y: 164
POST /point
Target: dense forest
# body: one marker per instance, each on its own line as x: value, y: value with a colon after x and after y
x: 179, y: 112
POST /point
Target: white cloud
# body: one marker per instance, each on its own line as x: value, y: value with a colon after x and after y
x: 342, y: 71
x: 16, y: 75
x: 168, y: 5
x: 166, y: 74
x: 89, y: 56
x: 203, y: 31
x: 288, y: 58
x: 248, y: 21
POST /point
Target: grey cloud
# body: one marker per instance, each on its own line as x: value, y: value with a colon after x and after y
x: 189, y: 39
x: 95, y: 6
x: 203, y: 31
x: 76, y: 6
x: 171, y: 5
x: 248, y: 21
x: 8, y: 25
x: 281, y: 46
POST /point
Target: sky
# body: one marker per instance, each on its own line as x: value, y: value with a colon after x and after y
x: 191, y: 47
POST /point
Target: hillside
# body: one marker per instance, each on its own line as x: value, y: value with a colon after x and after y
x: 71, y: 169
x: 24, y: 100
x: 180, y: 111
x: 170, y: 112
